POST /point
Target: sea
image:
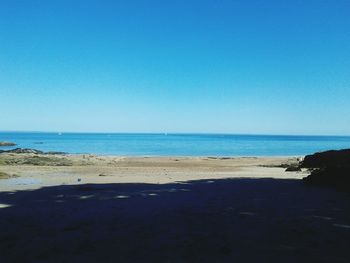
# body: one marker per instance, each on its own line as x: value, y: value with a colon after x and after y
x: 173, y: 144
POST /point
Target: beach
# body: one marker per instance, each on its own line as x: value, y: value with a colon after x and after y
x: 91, y: 208
x: 32, y: 171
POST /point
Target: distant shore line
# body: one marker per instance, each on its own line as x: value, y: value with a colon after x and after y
x: 180, y: 134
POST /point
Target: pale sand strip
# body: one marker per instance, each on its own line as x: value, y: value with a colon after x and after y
x: 86, y: 169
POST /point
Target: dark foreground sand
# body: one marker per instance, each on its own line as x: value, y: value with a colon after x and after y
x: 88, y: 208
x: 223, y: 220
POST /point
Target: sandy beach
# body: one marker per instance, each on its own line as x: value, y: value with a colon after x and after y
x: 32, y: 171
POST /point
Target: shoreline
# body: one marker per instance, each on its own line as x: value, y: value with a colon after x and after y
x: 4, y: 150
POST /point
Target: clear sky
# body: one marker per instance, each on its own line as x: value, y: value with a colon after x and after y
x: 271, y: 67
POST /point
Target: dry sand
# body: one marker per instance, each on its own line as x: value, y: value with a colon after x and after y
x: 32, y: 171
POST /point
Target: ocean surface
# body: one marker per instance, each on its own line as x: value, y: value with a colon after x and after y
x: 127, y: 144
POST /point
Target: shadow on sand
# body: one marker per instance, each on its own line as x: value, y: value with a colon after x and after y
x: 238, y: 220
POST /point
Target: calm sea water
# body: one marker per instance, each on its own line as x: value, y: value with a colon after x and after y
x: 175, y: 144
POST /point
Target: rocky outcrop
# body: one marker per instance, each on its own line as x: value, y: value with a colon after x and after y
x: 330, y: 168
x: 339, y: 158
x: 7, y: 144
x: 337, y: 177
x: 51, y: 152
x: 293, y: 168
x: 21, y: 150
x: 37, y: 160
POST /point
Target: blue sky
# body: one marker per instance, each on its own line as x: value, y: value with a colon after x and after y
x: 271, y: 67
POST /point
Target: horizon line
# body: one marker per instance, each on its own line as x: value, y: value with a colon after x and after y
x: 176, y: 133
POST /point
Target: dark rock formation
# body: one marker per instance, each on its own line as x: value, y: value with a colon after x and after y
x: 331, y: 168
x: 20, y: 150
x: 7, y: 144
x: 339, y: 158
x: 338, y: 177
x: 293, y: 168
x: 51, y: 152
x: 24, y: 150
